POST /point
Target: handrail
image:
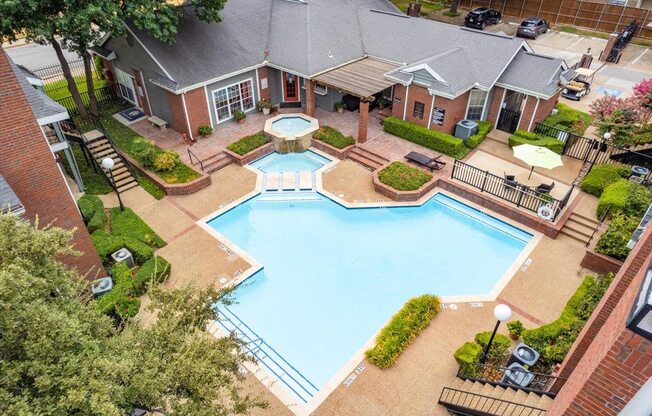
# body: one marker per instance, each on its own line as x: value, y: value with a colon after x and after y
x: 117, y: 149
x: 595, y: 230
x: 190, y: 155
x: 466, y: 400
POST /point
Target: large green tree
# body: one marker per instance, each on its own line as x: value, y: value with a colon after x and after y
x: 60, y: 356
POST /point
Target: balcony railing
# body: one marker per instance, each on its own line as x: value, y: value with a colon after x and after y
x: 464, y: 401
x: 509, y: 377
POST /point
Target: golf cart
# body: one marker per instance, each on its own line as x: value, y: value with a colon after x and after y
x: 580, y: 85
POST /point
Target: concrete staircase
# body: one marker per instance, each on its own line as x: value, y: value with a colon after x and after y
x: 579, y: 228
x: 100, y: 148
x: 487, y: 399
x: 366, y: 158
x: 216, y: 162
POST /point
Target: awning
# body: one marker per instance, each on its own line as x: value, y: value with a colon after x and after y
x: 362, y: 78
x: 103, y: 52
x: 9, y: 201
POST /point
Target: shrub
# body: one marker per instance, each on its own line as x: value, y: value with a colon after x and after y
x: 402, y: 177
x: 515, y: 329
x: 92, y: 211
x: 145, y: 152
x: 613, y: 242
x: 484, y: 128
x: 340, y: 105
x: 248, y: 143
x: 120, y: 303
x: 525, y: 137
x: 166, y: 161
x: 264, y: 103
x: 630, y: 198
x: 106, y: 244
x: 128, y: 224
x: 432, y: 139
x: 499, y: 346
x: 467, y: 356
x: 569, y: 119
x: 602, y: 176
x: 409, y: 322
x: 239, y: 115
x: 333, y: 137
x: 155, y: 270
x: 555, y: 339
x: 205, y: 130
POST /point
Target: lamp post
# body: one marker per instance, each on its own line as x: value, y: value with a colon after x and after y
x: 501, y: 313
x: 108, y: 164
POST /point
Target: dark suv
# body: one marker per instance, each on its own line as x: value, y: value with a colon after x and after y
x: 480, y: 17
x: 532, y: 27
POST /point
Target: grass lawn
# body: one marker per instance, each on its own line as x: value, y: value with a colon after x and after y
x: 94, y: 182
x: 59, y: 89
x: 427, y: 7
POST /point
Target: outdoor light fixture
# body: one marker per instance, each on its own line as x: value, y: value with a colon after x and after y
x: 108, y: 164
x: 640, y: 317
x: 606, y: 136
x: 501, y: 313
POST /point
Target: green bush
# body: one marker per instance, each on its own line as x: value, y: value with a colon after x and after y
x: 106, y: 244
x: 499, y: 346
x: 515, y: 328
x: 627, y: 197
x: 524, y: 137
x: 145, y: 151
x: 569, y: 119
x: 248, y: 143
x: 409, y: 322
x: 555, y: 339
x: 92, y: 211
x: 333, y: 137
x: 128, y: 224
x: 484, y: 128
x: 467, y: 356
x: 432, y: 139
x: 155, y: 270
x: 613, y: 242
x: 120, y: 303
x: 402, y: 177
x: 602, y: 176
x: 166, y: 161
x: 205, y: 130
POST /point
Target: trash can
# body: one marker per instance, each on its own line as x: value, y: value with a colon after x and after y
x: 524, y: 354
x: 123, y: 255
x: 517, y: 375
x: 101, y: 286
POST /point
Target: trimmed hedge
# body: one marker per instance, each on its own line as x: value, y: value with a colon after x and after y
x: 155, y: 270
x: 248, y: 143
x: 120, y: 303
x: 467, y: 356
x: 499, y: 346
x: 333, y: 137
x: 569, y: 119
x: 432, y: 139
x: 402, y: 177
x: 602, y: 176
x: 92, y: 211
x: 484, y: 128
x: 525, y: 137
x: 629, y: 198
x: 409, y: 322
x: 106, y: 244
x: 127, y: 224
x: 554, y: 340
x: 613, y: 242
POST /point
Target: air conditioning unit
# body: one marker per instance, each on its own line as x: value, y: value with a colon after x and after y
x: 465, y: 129
x: 101, y: 286
x: 123, y: 255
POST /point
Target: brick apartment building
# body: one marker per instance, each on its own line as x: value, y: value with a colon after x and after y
x: 32, y: 183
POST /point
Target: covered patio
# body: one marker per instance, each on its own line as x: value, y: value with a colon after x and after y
x: 363, y: 79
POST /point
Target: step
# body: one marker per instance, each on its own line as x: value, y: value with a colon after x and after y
x: 272, y: 181
x: 583, y: 221
x: 99, y: 147
x: 585, y: 218
x: 118, y: 176
x: 104, y: 152
x: 124, y: 181
x: 127, y: 186
x: 571, y: 234
x: 217, y: 163
x: 368, y: 163
x: 577, y: 230
x: 305, y: 181
x: 457, y: 383
x: 544, y: 402
x: 369, y: 155
x: 289, y: 181
x: 532, y: 400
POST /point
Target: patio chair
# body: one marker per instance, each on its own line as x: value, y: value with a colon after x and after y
x: 544, y: 188
x: 510, y: 180
x: 432, y: 163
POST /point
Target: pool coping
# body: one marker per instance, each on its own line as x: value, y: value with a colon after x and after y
x: 277, y: 388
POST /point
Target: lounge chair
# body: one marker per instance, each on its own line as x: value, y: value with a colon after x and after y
x: 510, y: 180
x: 432, y: 163
x: 544, y: 188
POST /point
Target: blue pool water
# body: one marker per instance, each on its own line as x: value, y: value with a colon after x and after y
x: 333, y: 276
x: 307, y: 161
x: 290, y: 126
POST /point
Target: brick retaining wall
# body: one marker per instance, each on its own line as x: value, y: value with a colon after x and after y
x: 331, y: 150
x: 247, y: 158
x: 204, y: 181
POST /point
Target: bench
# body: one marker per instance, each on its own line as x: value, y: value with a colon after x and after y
x: 158, y: 122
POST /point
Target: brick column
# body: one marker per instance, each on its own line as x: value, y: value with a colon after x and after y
x: 363, y: 121
x: 610, y: 44
x: 310, y: 98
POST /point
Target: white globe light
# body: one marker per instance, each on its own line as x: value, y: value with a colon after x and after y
x: 502, y: 312
x: 108, y: 163
x: 607, y: 136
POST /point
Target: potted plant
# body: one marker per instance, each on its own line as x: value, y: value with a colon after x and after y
x: 265, y: 105
x: 239, y: 116
x: 205, y: 130
x: 340, y: 106
x: 515, y: 329
x: 383, y: 103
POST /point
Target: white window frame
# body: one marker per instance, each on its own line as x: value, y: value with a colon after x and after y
x: 318, y: 89
x: 215, y: 91
x: 483, y: 107
x: 122, y: 75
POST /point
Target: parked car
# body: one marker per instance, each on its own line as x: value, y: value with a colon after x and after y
x: 481, y: 17
x: 532, y: 27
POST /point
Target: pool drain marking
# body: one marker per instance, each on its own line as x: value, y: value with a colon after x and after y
x: 526, y: 264
x: 476, y: 304
x: 237, y: 273
x: 358, y: 370
x: 451, y: 306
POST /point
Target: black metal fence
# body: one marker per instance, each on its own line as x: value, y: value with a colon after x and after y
x: 461, y: 402
x: 52, y: 75
x: 519, y: 195
x: 105, y: 95
x: 522, y: 379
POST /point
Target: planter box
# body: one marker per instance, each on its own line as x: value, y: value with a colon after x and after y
x: 600, y: 263
x: 332, y: 150
x: 247, y: 158
x: 187, y: 188
x: 402, y: 196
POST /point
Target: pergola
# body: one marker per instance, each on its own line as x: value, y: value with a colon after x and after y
x: 363, y: 79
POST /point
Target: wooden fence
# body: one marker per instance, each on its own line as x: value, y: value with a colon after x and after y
x: 598, y: 16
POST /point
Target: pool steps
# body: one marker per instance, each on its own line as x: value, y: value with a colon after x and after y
x: 289, y: 181
x: 277, y: 366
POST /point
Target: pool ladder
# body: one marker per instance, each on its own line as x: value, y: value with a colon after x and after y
x: 267, y: 356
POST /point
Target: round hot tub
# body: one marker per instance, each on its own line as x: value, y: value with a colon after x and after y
x: 291, y: 132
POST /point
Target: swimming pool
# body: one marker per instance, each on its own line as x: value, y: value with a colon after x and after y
x: 334, y: 276
x: 307, y: 161
x: 290, y: 126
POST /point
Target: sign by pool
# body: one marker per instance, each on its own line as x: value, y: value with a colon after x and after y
x: 438, y: 116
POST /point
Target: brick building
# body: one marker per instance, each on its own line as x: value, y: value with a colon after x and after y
x: 32, y: 183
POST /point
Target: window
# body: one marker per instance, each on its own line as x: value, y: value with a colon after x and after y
x: 234, y: 97
x: 126, y: 83
x: 477, y: 99
x: 418, y: 109
x: 318, y: 88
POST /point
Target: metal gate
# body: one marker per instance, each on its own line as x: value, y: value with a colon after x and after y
x: 508, y: 120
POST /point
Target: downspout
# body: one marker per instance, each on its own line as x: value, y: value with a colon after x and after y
x: 185, y: 112
x: 407, y: 91
x: 432, y: 108
x: 534, y: 114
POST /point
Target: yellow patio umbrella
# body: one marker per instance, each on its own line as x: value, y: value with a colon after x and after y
x: 537, y: 157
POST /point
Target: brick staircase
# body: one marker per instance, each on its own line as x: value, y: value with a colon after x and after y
x: 487, y: 399
x: 368, y: 159
x: 100, y: 148
x: 216, y: 162
x: 579, y: 228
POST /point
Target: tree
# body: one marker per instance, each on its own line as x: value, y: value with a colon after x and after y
x: 454, y: 5
x: 60, y: 356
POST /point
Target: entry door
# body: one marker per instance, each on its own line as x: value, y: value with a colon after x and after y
x: 510, y: 113
x: 290, y: 88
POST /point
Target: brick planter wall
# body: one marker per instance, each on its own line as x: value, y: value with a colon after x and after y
x: 332, y: 150
x: 402, y: 196
x: 247, y: 158
x: 600, y: 263
x: 187, y: 188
